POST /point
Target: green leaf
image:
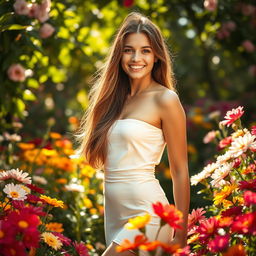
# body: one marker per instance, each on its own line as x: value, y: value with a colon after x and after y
x: 28, y: 95
x: 12, y: 27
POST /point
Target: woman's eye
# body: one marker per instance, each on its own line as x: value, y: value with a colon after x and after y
x: 127, y: 50
x: 146, y: 51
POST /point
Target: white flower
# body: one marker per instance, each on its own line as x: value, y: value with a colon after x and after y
x: 224, y: 158
x: 205, y: 173
x: 39, y: 179
x: 75, y: 187
x: 19, y: 175
x: 16, y: 192
x: 242, y: 144
x: 220, y: 173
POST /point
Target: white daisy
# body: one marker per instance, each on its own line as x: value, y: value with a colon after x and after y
x: 4, y: 175
x: 19, y: 175
x: 15, y: 192
x: 205, y: 173
x: 39, y: 179
x: 224, y: 158
x: 75, y: 187
x: 220, y: 173
x: 242, y: 144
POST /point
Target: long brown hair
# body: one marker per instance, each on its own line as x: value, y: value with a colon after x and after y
x: 111, y: 87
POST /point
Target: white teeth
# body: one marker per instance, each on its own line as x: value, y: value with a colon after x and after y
x: 136, y: 67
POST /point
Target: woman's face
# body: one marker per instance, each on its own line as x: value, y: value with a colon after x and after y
x: 138, y: 57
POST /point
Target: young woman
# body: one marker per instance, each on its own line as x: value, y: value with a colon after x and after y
x: 133, y: 114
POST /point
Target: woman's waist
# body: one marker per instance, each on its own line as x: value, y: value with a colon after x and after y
x: 126, y: 175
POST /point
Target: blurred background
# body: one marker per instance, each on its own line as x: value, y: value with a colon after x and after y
x: 48, y: 58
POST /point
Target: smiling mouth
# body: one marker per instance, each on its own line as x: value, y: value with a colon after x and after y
x: 136, y: 68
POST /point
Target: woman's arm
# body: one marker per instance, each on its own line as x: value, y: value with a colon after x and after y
x: 174, y: 128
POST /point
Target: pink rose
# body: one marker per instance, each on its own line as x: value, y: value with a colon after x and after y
x: 248, y: 46
x: 210, y: 5
x: 46, y: 30
x: 33, y: 9
x: 16, y: 73
x: 248, y: 9
x: 252, y: 70
x: 42, y: 14
x: 21, y: 7
x: 230, y: 25
x: 46, y: 4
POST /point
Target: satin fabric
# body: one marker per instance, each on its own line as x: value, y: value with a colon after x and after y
x: 130, y: 187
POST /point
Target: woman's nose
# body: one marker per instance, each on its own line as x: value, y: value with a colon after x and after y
x: 135, y: 56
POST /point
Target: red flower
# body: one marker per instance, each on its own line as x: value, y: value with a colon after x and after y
x: 127, y: 245
x: 16, y: 249
x: 234, y: 211
x: 81, y: 249
x: 208, y: 228
x: 31, y: 237
x: 249, y: 197
x: 128, y: 3
x: 245, y: 224
x: 169, y: 214
x: 237, y: 163
x: 224, y: 142
x: 219, y: 243
x: 35, y: 188
x: 7, y: 233
x: 232, y: 116
x: 250, y: 185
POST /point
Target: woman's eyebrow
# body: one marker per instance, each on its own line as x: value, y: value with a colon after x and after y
x: 129, y: 46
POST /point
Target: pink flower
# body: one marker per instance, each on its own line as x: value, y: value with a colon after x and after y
x: 237, y: 163
x: 33, y: 9
x: 252, y: 70
x: 248, y: 9
x: 253, y: 130
x: 46, y: 30
x: 41, y: 11
x: 251, y: 185
x: 196, y: 216
x: 208, y: 228
x: 81, y: 249
x: 16, y: 73
x: 249, y: 197
x: 210, y: 136
x: 232, y: 115
x: 230, y: 25
x: 219, y: 243
x: 225, y: 142
x: 210, y: 5
x: 248, y: 46
x: 21, y: 7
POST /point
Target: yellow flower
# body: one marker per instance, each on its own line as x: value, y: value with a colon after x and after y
x: 52, y: 201
x: 193, y: 238
x: 51, y: 240
x: 88, y: 171
x: 55, y: 135
x: 87, y: 202
x: 55, y: 227
x: 138, y: 222
x: 93, y: 211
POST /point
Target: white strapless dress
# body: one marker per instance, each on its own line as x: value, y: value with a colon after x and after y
x: 134, y: 149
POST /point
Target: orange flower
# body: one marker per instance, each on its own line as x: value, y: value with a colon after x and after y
x: 62, y: 181
x: 55, y: 135
x: 225, y: 192
x: 193, y: 238
x: 150, y: 246
x: 52, y: 201
x: 55, y: 227
x: 169, y: 214
x: 235, y: 250
x: 127, y: 245
x: 25, y: 146
x: 138, y: 222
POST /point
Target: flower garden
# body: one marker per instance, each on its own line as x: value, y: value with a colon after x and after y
x: 51, y: 201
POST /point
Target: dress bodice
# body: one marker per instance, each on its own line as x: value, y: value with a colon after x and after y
x: 133, y: 145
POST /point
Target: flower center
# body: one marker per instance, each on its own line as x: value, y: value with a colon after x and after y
x: 23, y: 224
x: 1, y: 234
x: 14, y: 194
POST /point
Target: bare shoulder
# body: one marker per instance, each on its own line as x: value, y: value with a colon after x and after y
x: 166, y: 97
